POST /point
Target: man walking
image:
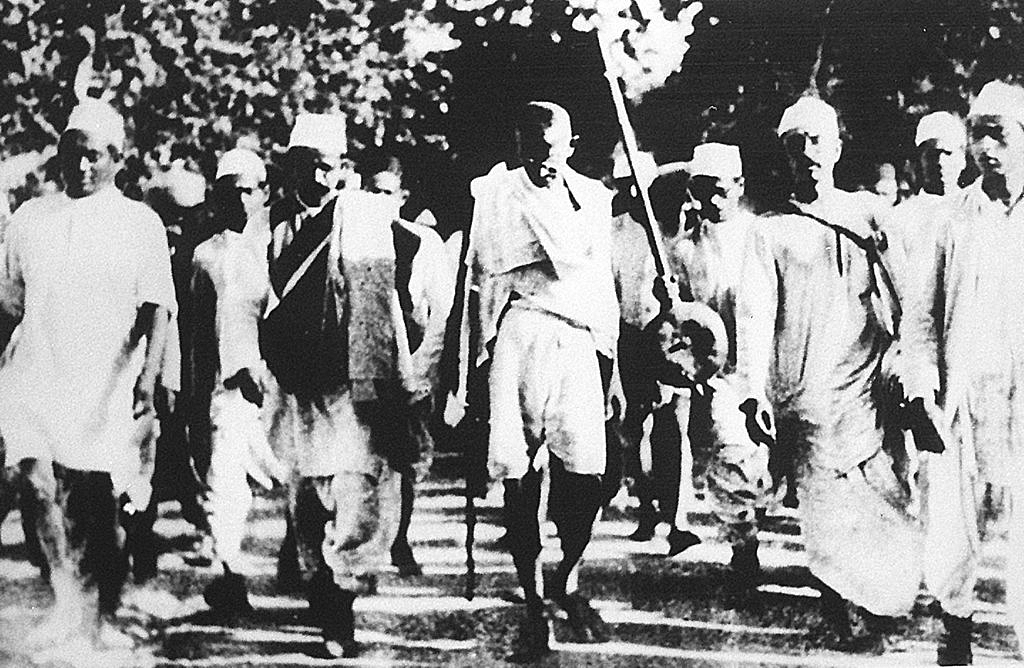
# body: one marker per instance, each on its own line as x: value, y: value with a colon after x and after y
x: 328, y: 336
x: 816, y: 313
x: 965, y: 343
x: 87, y: 271
x: 541, y: 234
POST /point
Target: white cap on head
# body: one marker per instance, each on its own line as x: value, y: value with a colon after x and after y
x: 241, y: 161
x: 941, y: 126
x: 324, y: 132
x: 100, y: 119
x: 186, y: 189
x: 718, y: 160
x: 808, y: 112
x: 999, y: 99
x: 646, y: 167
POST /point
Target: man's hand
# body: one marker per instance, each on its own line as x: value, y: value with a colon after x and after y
x: 248, y: 385
x: 418, y: 392
x: 666, y: 291
x: 759, y: 421
x: 145, y: 388
x: 924, y: 418
x: 454, y: 410
x: 615, y: 402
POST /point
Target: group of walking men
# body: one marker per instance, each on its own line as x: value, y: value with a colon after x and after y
x: 861, y: 357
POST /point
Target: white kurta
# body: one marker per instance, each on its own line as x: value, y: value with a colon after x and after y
x: 809, y: 334
x: 236, y: 266
x: 432, y: 291
x: 913, y: 224
x: 965, y: 344
x: 79, y: 269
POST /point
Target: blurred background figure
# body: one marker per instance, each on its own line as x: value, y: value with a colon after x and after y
x: 426, y: 290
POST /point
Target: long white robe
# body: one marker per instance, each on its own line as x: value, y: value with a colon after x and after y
x: 809, y: 335
x: 965, y: 343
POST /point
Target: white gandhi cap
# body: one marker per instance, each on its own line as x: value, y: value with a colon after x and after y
x: 1000, y: 99
x: 100, y: 119
x: 241, y: 161
x: 718, y: 160
x: 943, y: 127
x: 324, y: 132
x: 806, y: 113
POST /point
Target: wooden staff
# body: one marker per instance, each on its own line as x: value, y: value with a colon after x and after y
x: 632, y: 150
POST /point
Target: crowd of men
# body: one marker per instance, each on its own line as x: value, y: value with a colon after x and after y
x: 834, y: 353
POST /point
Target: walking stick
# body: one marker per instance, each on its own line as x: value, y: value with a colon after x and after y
x: 629, y: 143
x: 470, y: 539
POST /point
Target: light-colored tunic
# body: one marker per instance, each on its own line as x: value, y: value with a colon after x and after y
x: 965, y: 344
x: 810, y: 336
x: 633, y: 266
x: 79, y: 269
x: 912, y: 225
x: 236, y: 267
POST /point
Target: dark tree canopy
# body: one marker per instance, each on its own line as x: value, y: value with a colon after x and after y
x: 437, y: 81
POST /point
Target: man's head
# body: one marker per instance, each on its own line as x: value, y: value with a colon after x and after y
x: 316, y: 162
x: 545, y: 141
x: 91, y: 149
x: 809, y: 130
x: 387, y: 177
x: 693, y: 344
x: 996, y: 123
x: 716, y: 180
x: 941, y: 142
x: 240, y: 188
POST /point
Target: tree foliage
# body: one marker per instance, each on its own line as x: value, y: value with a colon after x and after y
x: 437, y: 81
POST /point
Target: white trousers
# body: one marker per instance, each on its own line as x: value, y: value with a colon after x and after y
x: 236, y: 426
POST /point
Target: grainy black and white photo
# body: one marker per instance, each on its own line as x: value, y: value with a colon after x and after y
x: 601, y: 333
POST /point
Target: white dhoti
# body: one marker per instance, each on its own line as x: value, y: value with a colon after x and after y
x: 859, y: 536
x: 545, y: 385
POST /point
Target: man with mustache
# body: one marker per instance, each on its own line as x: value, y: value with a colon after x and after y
x: 328, y: 335
x: 815, y: 314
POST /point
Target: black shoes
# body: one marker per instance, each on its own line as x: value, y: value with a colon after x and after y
x: 403, y: 559
x: 679, y: 541
x: 585, y: 622
x: 955, y: 643
x: 532, y: 644
x: 228, y: 594
x: 745, y: 565
x: 857, y: 630
x: 644, y: 530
